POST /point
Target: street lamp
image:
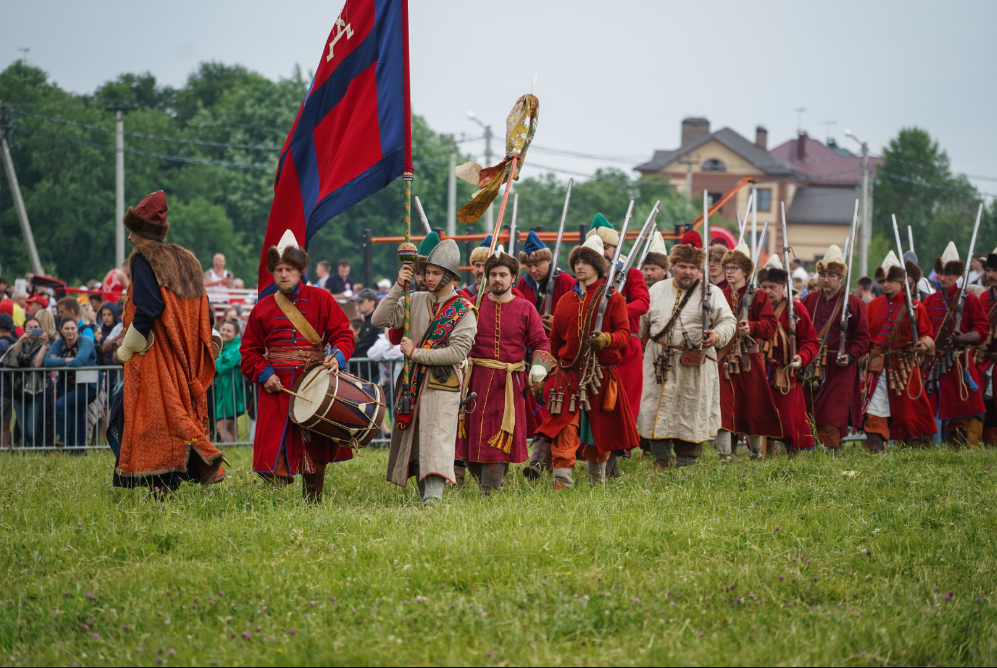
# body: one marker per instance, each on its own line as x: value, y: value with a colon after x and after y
x: 489, y: 219
x: 866, y: 205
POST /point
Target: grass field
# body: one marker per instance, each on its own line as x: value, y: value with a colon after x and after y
x: 856, y: 561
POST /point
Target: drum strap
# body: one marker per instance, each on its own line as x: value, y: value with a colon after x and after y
x: 298, y: 320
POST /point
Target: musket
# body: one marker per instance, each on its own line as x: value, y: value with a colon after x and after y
x: 845, y: 315
x: 706, y: 264
x: 552, y: 270
x: 961, y: 303
x: 422, y: 215
x: 743, y: 225
x: 911, y: 315
x: 910, y: 238
x: 645, y: 233
x: 604, y: 300
x: 513, y: 235
x: 650, y: 234
x: 789, y: 288
x: 750, y: 286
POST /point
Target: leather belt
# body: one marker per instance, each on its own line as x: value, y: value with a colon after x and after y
x: 294, y: 356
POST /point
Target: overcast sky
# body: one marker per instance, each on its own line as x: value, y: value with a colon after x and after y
x: 615, y: 78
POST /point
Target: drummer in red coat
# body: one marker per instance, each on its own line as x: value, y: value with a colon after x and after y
x: 787, y: 391
x: 952, y: 379
x: 986, y: 353
x: 832, y: 392
x: 746, y: 405
x: 585, y: 353
x: 894, y: 401
x: 275, y: 352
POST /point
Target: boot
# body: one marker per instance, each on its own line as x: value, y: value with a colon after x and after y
x: 662, y: 451
x: 431, y: 490
x: 492, y: 477
x: 539, y: 459
x: 875, y: 443
x: 613, y: 466
x: 459, y: 472
x: 562, y: 479
x: 683, y: 461
x: 311, y: 486
x: 723, y: 445
x: 597, y: 472
x: 755, y: 444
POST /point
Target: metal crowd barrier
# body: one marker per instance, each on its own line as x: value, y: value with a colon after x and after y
x: 47, y: 409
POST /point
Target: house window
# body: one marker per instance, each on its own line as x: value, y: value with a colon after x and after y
x: 714, y: 165
x: 714, y: 197
x: 764, y: 199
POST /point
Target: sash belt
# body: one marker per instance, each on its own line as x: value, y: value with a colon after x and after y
x: 294, y: 356
x: 509, y: 411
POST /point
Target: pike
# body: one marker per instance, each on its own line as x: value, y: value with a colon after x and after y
x: 645, y: 235
x: 911, y: 315
x: 706, y: 266
x: 961, y: 303
x: 650, y: 233
x: 498, y: 224
x: 754, y: 237
x: 845, y: 315
x: 743, y: 226
x: 604, y: 300
x: 512, y: 227
x: 552, y: 270
x: 422, y: 215
x: 789, y: 289
x: 910, y: 238
x: 749, y: 288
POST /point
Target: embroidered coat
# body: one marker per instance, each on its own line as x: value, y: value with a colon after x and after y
x: 954, y: 396
x: 686, y: 405
x: 428, y: 444
x: 797, y: 432
x: 505, y: 331
x: 268, y: 331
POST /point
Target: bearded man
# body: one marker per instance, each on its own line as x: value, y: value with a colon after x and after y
x: 656, y: 262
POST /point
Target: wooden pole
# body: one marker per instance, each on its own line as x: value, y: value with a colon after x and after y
x: 498, y: 224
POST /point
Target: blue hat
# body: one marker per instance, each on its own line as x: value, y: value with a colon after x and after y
x: 534, y: 250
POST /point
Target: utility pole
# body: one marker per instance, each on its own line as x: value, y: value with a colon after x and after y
x: 452, y: 190
x: 22, y: 213
x: 119, y: 178
x: 866, y: 197
x: 489, y: 217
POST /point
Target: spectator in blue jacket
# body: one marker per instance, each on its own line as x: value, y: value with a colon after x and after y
x: 71, y: 352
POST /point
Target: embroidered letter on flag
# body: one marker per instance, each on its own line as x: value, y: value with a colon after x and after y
x: 353, y: 134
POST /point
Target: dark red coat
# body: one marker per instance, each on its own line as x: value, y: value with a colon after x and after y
x: 954, y: 397
x: 797, y: 434
x: 632, y: 367
x: 910, y: 412
x: 562, y: 285
x: 269, y: 329
x: 988, y: 302
x: 839, y: 397
x: 746, y: 404
x: 613, y: 430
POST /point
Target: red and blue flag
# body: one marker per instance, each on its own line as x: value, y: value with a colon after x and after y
x: 353, y: 133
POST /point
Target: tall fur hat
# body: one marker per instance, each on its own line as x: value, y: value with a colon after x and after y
x: 481, y: 253
x: 891, y: 269
x: 741, y: 256
x: 591, y: 253
x: 949, y: 263
x: 534, y: 250
x: 773, y: 271
x: 148, y: 219
x: 657, y: 253
x: 717, y: 252
x: 500, y: 259
x: 991, y: 261
x: 605, y: 230
x: 833, y: 261
x: 913, y: 268
x: 689, y: 250
x: 287, y: 251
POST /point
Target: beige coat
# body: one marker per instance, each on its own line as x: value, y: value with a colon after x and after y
x: 687, y: 405
x: 430, y: 440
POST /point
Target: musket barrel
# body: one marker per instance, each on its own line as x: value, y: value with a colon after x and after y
x: 552, y: 271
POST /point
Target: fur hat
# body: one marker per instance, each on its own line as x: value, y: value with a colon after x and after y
x: 891, y: 269
x: 657, y: 253
x: 833, y: 261
x: 689, y: 250
x: 949, y: 263
x: 502, y: 260
x: 717, y: 252
x: 991, y: 261
x: 287, y: 251
x: 482, y: 251
x: 741, y: 256
x: 591, y: 253
x: 605, y: 230
x: 148, y: 219
x: 773, y: 271
x: 534, y: 250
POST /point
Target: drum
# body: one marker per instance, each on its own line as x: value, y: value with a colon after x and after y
x: 342, y: 407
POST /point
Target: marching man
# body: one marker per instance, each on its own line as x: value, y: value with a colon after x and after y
x: 492, y: 434
x: 787, y: 392
x: 442, y: 329
x: 477, y: 260
x: 895, y: 403
x: 656, y: 262
x: 986, y: 353
x: 832, y: 392
x: 680, y: 404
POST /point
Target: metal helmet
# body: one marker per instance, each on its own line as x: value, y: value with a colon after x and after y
x: 446, y: 255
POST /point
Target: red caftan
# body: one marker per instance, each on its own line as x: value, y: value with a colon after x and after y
x: 279, y: 446
x: 505, y: 331
x: 562, y: 286
x: 746, y: 405
x: 797, y: 433
x: 986, y: 354
x: 631, y: 368
x: 613, y: 430
x: 838, y: 400
x: 910, y: 411
x: 953, y: 397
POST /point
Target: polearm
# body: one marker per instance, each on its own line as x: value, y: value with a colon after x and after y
x: 789, y: 288
x: 754, y: 220
x: 961, y: 303
x: 422, y: 215
x: 407, y: 253
x: 910, y: 238
x: 743, y: 224
x: 645, y: 235
x: 845, y: 315
x: 706, y: 264
x: 604, y: 300
x: 498, y: 224
x: 552, y: 270
x: 653, y: 218
x: 512, y: 226
x: 749, y: 288
x: 911, y: 315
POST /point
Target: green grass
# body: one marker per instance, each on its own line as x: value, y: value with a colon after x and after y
x: 790, y: 562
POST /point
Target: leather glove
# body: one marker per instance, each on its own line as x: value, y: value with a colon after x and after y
x: 133, y: 342
x: 537, y: 374
x: 600, y: 340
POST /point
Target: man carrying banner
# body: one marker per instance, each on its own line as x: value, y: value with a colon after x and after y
x: 787, y: 392
x: 832, y: 391
x: 951, y: 376
x: 492, y: 433
x: 894, y: 401
x: 586, y: 391
x: 442, y: 331
x: 986, y: 353
x: 289, y: 331
x: 680, y: 404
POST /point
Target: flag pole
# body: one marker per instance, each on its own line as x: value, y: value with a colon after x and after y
x: 407, y: 253
x: 498, y: 224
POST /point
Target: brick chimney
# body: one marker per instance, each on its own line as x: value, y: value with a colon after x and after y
x: 693, y: 129
x: 801, y: 146
x: 762, y: 138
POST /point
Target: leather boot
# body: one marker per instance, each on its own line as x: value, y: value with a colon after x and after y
x: 459, y: 472
x: 474, y: 468
x: 664, y: 457
x: 682, y: 461
x: 311, y: 486
x: 597, y: 472
x: 875, y: 443
x: 540, y: 459
x: 613, y: 466
x: 562, y: 479
x: 492, y: 477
